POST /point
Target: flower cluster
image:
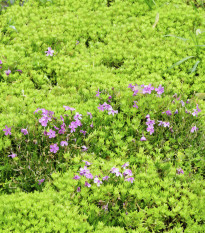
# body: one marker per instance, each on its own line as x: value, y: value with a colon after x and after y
x: 150, y: 125
x: 179, y: 171
x: 107, y: 107
x: 84, y: 171
x: 147, y: 89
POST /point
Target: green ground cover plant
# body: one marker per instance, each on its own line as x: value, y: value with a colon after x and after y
x: 102, y: 125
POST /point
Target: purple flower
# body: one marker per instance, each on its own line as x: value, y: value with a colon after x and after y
x: 98, y: 93
x: 160, y: 123
x: 91, y: 125
x: 182, y: 103
x: 105, y: 207
x: 84, y: 171
x: 105, y: 178
x: 89, y: 176
x: 7, y: 130
x: 176, y: 112
x: 12, y: 155
x: 166, y: 124
x: 56, y: 127
x: 76, y: 177
x: 130, y: 179
x: 78, y: 116
x: 147, y: 89
x: 111, y: 111
x: 49, y: 52
x: 41, y: 181
x: 45, y: 132
x: 87, y: 163
x: 87, y: 184
x: 43, y: 121
x: 73, y: 126
x: 194, y: 129
x: 114, y: 170
x: 107, y: 106
x: 159, y: 90
x: 69, y: 108
x: 195, y: 113
x: 82, y: 131
x: 90, y: 115
x: 84, y: 148
x: 78, y: 189
x: 20, y: 71
x: 77, y: 42
x: 150, y: 129
x: 197, y: 107
x: 147, y: 116
x: 101, y: 108
x: 1, y: 62
x: 7, y: 72
x: 51, y: 133
x: 127, y: 172
x: 54, y: 148
x: 171, y: 130
x: 110, y: 97
x: 135, y: 105
x: 179, y: 171
x: 143, y: 139
x: 125, y: 165
x: 150, y: 122
x: 64, y: 143
x: 24, y: 131
x: 130, y: 86
x: 169, y: 113
x: 97, y: 181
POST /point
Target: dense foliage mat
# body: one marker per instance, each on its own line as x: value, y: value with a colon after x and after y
x: 102, y: 124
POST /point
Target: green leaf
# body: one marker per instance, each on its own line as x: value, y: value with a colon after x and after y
x: 181, y: 38
x: 180, y: 62
x: 194, y: 67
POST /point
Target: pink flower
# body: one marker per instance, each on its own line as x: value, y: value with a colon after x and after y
x: 7, y: 72
x: 87, y: 184
x: 41, y: 181
x: 127, y: 172
x: 90, y: 115
x: 78, y: 189
x: 98, y: 93
x: 24, y: 131
x: 49, y: 52
x: 105, y: 178
x: 89, y: 176
x: 194, y: 129
x: 84, y: 148
x: 159, y: 90
x: 180, y: 171
x: 135, y: 105
x: 97, y: 181
x: 12, y: 155
x: 87, y: 163
x: 64, y: 143
x: 143, y: 139
x: 84, y: 171
x: 130, y: 179
x: 7, y: 130
x: 51, y: 133
x: 69, y: 108
x: 76, y: 177
x: 125, y: 165
x: 54, y: 148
